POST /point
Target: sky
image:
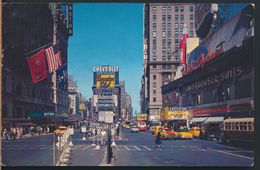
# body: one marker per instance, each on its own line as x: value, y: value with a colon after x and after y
x: 107, y: 34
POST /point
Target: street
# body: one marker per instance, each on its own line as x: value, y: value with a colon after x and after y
x: 134, y: 149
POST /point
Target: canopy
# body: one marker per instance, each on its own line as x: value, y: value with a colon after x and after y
x: 207, y: 119
x: 40, y: 114
x: 25, y: 124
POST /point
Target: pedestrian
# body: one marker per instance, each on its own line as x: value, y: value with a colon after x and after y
x: 103, y: 135
x: 14, y: 133
x: 18, y: 133
x: 158, y: 140
x: 114, y: 151
x: 5, y: 137
x: 117, y: 130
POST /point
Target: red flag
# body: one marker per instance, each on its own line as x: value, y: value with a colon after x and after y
x: 183, y: 45
x: 37, y: 65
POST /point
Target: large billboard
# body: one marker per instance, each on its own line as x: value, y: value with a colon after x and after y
x: 105, y: 76
x: 105, y: 80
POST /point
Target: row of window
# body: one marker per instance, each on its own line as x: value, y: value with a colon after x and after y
x: 177, y: 18
x: 176, y: 9
x: 239, y: 126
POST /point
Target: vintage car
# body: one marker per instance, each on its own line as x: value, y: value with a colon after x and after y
x: 195, y: 131
x: 167, y: 133
x: 183, y: 133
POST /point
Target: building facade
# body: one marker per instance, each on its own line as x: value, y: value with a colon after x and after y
x: 219, y: 79
x: 20, y: 95
x: 106, y: 91
x: 73, y: 95
x: 163, y: 28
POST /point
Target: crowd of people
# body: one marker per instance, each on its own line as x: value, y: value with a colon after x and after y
x: 13, y: 133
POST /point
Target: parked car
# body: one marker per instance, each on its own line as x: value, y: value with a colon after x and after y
x: 135, y: 129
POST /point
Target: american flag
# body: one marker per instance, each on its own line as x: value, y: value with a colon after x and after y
x: 53, y: 57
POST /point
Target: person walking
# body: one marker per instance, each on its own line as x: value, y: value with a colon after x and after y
x: 158, y: 140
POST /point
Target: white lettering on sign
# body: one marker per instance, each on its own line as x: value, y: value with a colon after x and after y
x: 106, y: 69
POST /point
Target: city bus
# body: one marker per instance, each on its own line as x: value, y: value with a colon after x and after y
x: 237, y: 130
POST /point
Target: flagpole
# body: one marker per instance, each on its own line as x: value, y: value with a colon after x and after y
x: 27, y: 53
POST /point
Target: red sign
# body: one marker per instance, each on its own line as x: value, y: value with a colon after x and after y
x: 210, y: 111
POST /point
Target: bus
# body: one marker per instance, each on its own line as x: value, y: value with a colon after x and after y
x: 237, y: 130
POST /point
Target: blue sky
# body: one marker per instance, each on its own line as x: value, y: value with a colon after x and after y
x: 107, y: 34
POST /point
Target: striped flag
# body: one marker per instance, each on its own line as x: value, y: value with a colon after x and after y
x: 53, y: 57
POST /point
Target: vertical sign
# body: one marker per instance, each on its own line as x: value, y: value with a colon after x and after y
x: 70, y: 24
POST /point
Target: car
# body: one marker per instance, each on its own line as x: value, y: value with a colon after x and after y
x: 195, y: 131
x: 167, y: 133
x: 183, y: 133
x: 134, y: 129
x: 60, y: 130
x: 142, y: 126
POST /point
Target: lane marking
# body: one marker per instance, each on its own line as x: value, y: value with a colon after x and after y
x: 45, y: 147
x: 77, y: 146
x: 137, y: 148
x: 228, y: 153
x: 200, y: 149
x: 127, y: 148
x: 147, y: 148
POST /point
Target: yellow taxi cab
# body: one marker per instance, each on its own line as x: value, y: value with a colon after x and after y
x: 195, y: 131
x: 127, y: 126
x: 167, y: 133
x: 60, y: 130
x: 156, y: 130
x: 183, y: 133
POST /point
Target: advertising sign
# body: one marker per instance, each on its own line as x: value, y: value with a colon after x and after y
x: 227, y: 37
x: 101, y: 116
x: 109, y: 117
x: 140, y: 117
x: 70, y: 21
x: 105, y: 81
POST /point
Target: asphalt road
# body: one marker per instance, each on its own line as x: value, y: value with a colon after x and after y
x: 32, y: 151
x: 134, y: 149
x: 138, y: 150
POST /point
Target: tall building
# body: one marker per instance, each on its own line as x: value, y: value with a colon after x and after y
x: 163, y: 29
x: 126, y: 102
x: 73, y: 95
x: 20, y: 95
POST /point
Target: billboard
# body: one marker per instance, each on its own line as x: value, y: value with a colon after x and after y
x: 141, y: 117
x: 105, y: 81
x: 105, y: 76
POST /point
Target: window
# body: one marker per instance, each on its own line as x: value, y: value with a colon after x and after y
x: 191, y: 16
x: 154, y: 99
x: 163, y: 34
x: 164, y: 49
x: 176, y: 9
x: 154, y: 9
x: 154, y: 18
x: 169, y: 57
x: 168, y: 9
x: 169, y: 33
x: 191, y: 33
x: 169, y: 26
x: 181, y: 8
x: 163, y: 26
x: 176, y: 25
x: 176, y: 17
x: 154, y: 77
x: 176, y: 40
x: 154, y: 92
x: 154, y: 84
x: 154, y: 57
x: 191, y: 8
x: 163, y: 57
x: 154, y: 33
x: 169, y: 42
x: 163, y: 42
x: 163, y: 18
x: 164, y: 67
x: 154, y: 66
x: 191, y: 25
x: 163, y: 9
x: 176, y: 57
x: 169, y: 17
x: 182, y: 17
x: 176, y: 33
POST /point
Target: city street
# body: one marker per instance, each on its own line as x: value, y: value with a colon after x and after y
x: 139, y: 150
x: 135, y: 149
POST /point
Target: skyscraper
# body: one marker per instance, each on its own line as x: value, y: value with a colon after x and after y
x: 163, y: 28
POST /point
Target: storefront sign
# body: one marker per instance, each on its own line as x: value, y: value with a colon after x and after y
x: 215, y: 79
x: 230, y: 35
x: 210, y: 111
x: 70, y: 21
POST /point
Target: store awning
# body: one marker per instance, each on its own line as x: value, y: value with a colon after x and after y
x: 207, y: 119
x: 214, y: 119
x: 198, y: 119
x: 25, y: 124
x: 39, y: 114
